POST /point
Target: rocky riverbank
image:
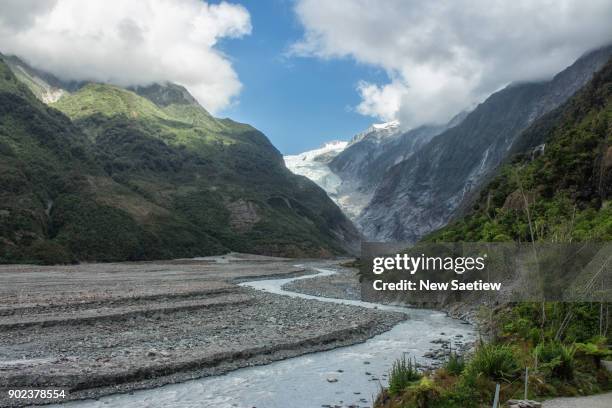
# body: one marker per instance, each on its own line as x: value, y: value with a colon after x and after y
x: 106, y: 328
x: 345, y: 285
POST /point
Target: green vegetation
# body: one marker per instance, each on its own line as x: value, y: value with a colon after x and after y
x: 556, y: 358
x: 403, y: 373
x: 455, y: 364
x: 422, y: 394
x: 555, y: 369
x: 121, y: 176
x: 495, y: 361
x: 559, y: 195
x: 109, y: 101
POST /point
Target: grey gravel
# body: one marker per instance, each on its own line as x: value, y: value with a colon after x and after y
x: 342, y: 285
x: 104, y: 328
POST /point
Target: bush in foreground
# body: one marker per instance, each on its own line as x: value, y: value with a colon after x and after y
x: 403, y: 373
x: 556, y: 359
x: 495, y: 361
x: 455, y: 364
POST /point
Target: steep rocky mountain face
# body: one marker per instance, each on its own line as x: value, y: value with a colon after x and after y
x: 350, y: 171
x: 558, y: 193
x: 365, y: 161
x: 107, y: 174
x: 371, y: 153
x: 422, y: 193
x: 362, y: 163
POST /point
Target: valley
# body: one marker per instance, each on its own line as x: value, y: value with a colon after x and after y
x: 158, y: 249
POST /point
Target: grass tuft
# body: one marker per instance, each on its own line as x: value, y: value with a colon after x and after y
x: 495, y: 361
x: 403, y: 373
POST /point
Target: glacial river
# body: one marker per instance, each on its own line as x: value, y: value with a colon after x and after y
x: 358, y: 371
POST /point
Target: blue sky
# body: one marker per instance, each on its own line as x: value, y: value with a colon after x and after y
x: 298, y: 102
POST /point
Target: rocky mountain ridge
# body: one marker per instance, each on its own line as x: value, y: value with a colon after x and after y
x: 351, y: 171
x: 393, y: 193
x: 422, y: 194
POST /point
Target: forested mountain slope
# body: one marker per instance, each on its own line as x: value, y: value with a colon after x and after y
x: 121, y: 176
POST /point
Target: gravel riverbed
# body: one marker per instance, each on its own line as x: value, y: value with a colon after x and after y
x: 344, y: 284
x: 105, y: 328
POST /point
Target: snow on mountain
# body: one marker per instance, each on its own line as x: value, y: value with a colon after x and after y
x: 346, y: 192
x: 350, y: 172
x: 328, y: 148
x: 394, y: 124
x: 378, y: 132
x: 314, y: 165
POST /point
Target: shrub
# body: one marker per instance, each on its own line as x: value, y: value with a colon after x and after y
x: 455, y: 364
x: 403, y: 373
x: 596, y: 349
x: 460, y: 395
x: 6, y: 149
x: 556, y: 358
x: 422, y: 394
x: 497, y: 362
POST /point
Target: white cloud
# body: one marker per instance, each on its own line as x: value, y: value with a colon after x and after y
x: 380, y: 101
x: 129, y: 42
x: 443, y: 56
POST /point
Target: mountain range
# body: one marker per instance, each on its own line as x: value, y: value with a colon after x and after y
x: 401, y: 185
x: 98, y: 172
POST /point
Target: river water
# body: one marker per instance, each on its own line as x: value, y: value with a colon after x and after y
x: 359, y: 371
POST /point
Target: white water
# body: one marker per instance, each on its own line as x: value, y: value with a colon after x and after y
x: 301, y: 382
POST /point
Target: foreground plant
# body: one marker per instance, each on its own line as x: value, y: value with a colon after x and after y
x: 403, y: 373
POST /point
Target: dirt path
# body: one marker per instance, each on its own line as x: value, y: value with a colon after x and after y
x: 593, y: 401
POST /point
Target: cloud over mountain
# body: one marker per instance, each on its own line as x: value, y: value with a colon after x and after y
x: 129, y: 42
x: 441, y: 57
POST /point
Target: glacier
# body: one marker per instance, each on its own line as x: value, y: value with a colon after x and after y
x: 314, y: 165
